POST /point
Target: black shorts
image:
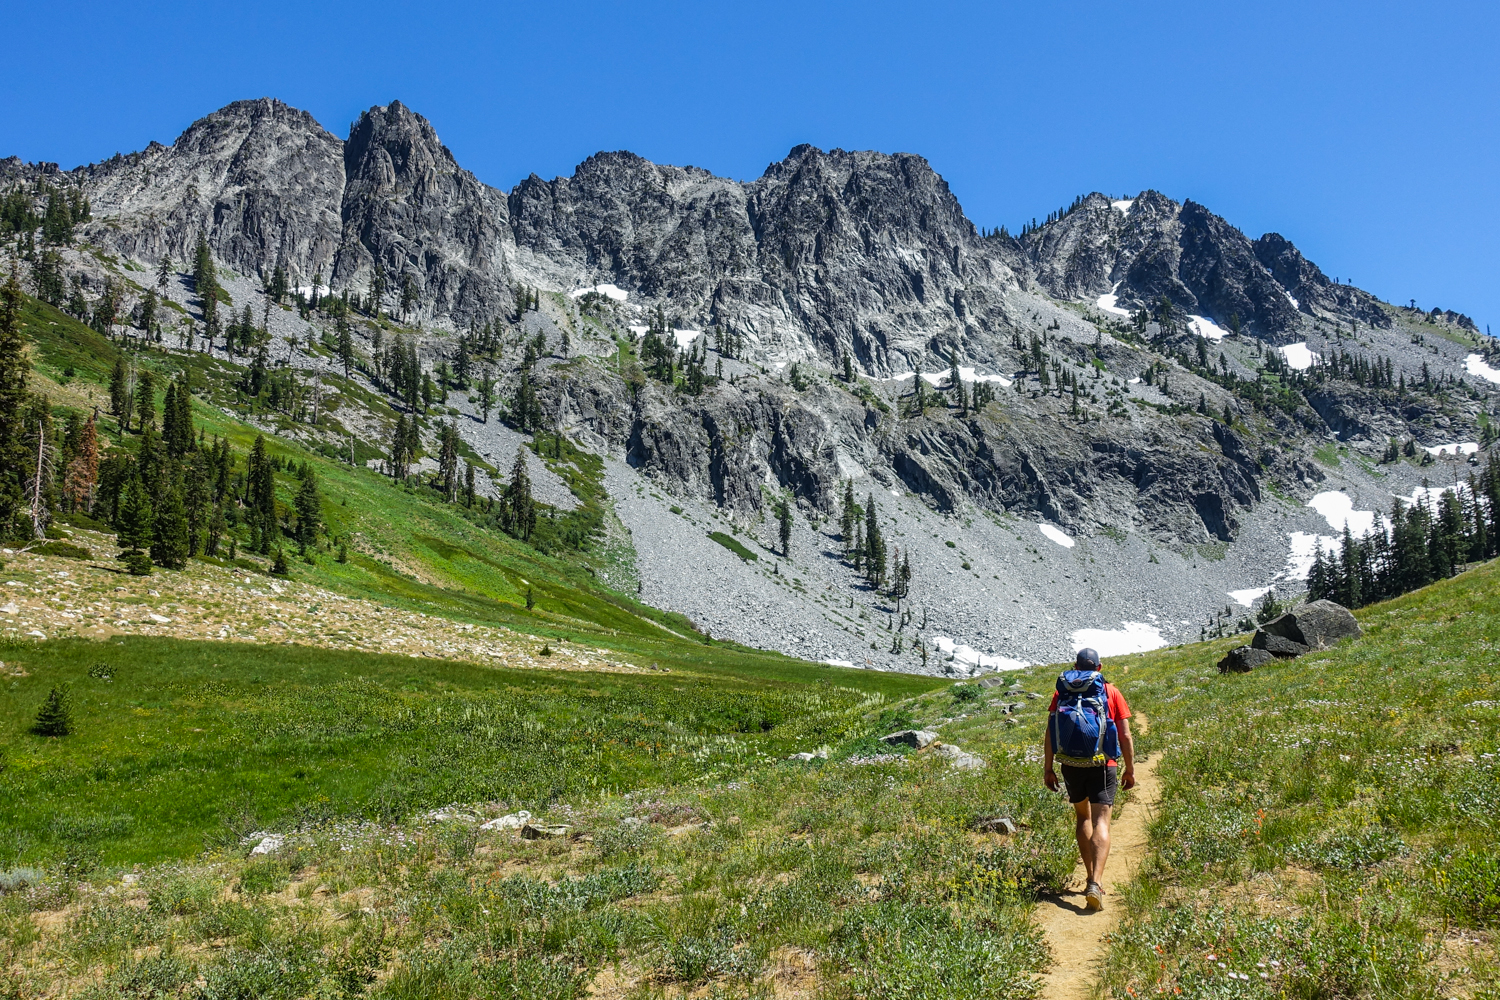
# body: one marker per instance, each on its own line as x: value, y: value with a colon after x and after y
x: 1096, y: 784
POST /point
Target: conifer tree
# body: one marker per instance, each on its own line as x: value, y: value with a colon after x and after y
x: 486, y: 395
x: 14, y: 369
x: 82, y: 476
x: 55, y: 717
x: 468, y: 484
x: 136, y: 526
x: 518, y: 510
x: 309, y: 511
x: 346, y: 344
x: 145, y: 400
x: 171, y: 542
x: 784, y: 522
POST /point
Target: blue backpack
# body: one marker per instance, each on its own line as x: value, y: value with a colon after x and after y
x: 1083, y: 734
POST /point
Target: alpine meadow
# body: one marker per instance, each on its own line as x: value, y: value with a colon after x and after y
x: 647, y: 585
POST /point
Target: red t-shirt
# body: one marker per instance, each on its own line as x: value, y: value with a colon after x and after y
x: 1118, y: 709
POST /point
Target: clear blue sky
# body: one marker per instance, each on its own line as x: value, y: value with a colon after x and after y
x: 1364, y: 132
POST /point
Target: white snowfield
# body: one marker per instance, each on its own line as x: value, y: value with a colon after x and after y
x: 1298, y: 356
x: 1476, y: 367
x: 837, y: 663
x: 938, y: 378
x: 1293, y: 300
x: 1304, y: 548
x: 1057, y: 535
x: 608, y: 291
x: 1124, y: 206
x: 686, y: 337
x: 972, y: 657
x: 1109, y: 302
x: 1460, y: 448
x: 1133, y: 637
x: 1338, y: 510
x: 1207, y: 328
x: 1247, y: 598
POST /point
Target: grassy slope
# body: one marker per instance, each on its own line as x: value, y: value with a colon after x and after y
x: 433, y: 557
x: 1327, y: 824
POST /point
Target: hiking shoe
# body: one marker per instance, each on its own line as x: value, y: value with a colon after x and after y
x: 1094, y: 898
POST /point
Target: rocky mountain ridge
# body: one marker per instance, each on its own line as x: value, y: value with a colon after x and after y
x: 1159, y: 385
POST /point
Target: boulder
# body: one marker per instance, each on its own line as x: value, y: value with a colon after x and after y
x: 1243, y: 659
x: 542, y: 831
x: 916, y: 738
x: 1276, y: 645
x: 1317, y: 625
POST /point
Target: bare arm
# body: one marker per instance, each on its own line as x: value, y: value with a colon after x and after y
x: 1049, y: 776
x: 1127, y: 751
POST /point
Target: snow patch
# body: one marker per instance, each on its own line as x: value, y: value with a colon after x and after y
x: 1338, y: 510
x: 686, y: 337
x: 1476, y: 367
x: 639, y: 331
x: 1247, y: 598
x: 1293, y: 300
x: 1123, y: 206
x: 837, y: 663
x: 608, y: 291
x: 1298, y: 356
x: 1134, y: 637
x: 972, y: 657
x: 1108, y: 302
x: 1206, y: 328
x: 1135, y: 381
x: 938, y: 378
x: 1464, y: 448
x: 1057, y: 535
x: 1304, y: 548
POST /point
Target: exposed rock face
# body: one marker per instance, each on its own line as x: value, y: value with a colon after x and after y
x: 824, y: 253
x: 261, y: 179
x: 409, y: 207
x: 1154, y: 248
x: 916, y: 738
x: 1311, y: 287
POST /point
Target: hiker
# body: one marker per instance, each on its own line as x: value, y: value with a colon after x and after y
x: 1088, y: 731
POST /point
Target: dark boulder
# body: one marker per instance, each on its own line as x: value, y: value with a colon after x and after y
x: 1243, y: 659
x: 1276, y: 645
x: 1318, y: 625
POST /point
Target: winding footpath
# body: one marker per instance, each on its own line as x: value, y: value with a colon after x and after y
x: 1076, y: 936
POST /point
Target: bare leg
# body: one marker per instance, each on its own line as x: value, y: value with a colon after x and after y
x: 1099, y: 842
x: 1083, y: 832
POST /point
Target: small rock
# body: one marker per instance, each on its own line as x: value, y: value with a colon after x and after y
x: 1243, y: 659
x: 545, y: 831
x: 37, y: 635
x: 990, y: 682
x: 9, y: 609
x: 996, y: 824
x: 514, y: 821
x: 1032, y: 694
x: 269, y: 844
x: 160, y: 619
x: 918, y: 738
x: 958, y: 757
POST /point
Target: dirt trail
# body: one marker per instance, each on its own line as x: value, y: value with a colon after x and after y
x: 1076, y: 935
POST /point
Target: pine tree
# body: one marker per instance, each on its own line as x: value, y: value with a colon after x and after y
x: 468, y: 484
x: 486, y: 395
x: 55, y: 717
x: 448, y: 461
x: 784, y: 522
x: 145, y: 400
x: 346, y: 345
x: 278, y: 564
x: 309, y: 511
x: 82, y: 475
x: 14, y: 369
x: 136, y: 525
x: 518, y: 510
x: 171, y: 541
x: 261, y: 482
x: 848, y: 368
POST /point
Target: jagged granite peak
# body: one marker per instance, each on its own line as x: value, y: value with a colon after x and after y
x: 262, y: 179
x: 409, y: 206
x: 1314, y: 293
